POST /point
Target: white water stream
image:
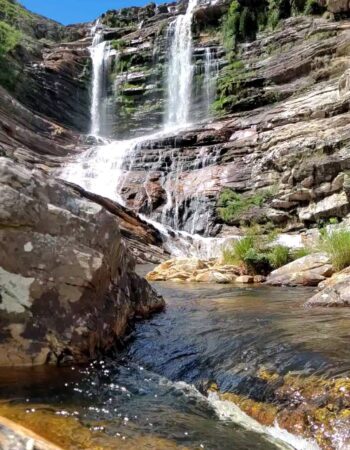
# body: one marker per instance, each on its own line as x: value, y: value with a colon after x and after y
x: 100, y: 53
x: 102, y: 169
x: 211, y: 74
x: 180, y: 73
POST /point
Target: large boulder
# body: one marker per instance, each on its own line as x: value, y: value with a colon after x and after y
x: 67, y: 284
x: 336, y: 295
x: 334, y: 291
x: 307, y: 271
x: 338, y: 6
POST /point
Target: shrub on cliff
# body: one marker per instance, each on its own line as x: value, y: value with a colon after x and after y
x: 337, y: 245
x: 232, y: 205
x: 9, y: 38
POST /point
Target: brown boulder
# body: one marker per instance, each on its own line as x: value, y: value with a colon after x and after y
x: 338, y: 6
x: 194, y: 270
x: 67, y: 283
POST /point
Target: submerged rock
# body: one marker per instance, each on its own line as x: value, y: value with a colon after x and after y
x: 67, y: 284
x: 16, y: 437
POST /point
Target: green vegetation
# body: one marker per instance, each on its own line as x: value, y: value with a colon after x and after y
x: 337, y: 245
x: 279, y: 256
x: 232, y: 205
x: 301, y: 252
x: 313, y: 7
x: 242, y: 23
x: 13, y: 13
x: 118, y: 44
x: 9, y: 38
x: 229, y: 84
x: 256, y: 253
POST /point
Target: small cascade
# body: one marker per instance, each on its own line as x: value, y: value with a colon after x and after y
x: 100, y: 53
x: 211, y: 75
x: 180, y: 73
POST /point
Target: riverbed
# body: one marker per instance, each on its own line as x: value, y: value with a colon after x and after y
x: 154, y: 395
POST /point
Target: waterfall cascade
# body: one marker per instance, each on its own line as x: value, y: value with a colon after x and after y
x: 180, y: 71
x: 100, y: 53
x: 105, y: 169
x: 211, y: 74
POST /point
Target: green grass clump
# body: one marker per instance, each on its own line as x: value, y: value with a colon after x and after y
x: 118, y: 44
x: 301, y: 252
x: 256, y: 254
x: 232, y: 205
x: 9, y: 38
x: 237, y: 253
x: 279, y: 256
x: 337, y: 245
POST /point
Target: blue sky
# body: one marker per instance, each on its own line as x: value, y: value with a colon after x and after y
x: 73, y: 11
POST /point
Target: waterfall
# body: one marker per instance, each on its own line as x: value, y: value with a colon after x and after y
x: 104, y: 169
x: 100, y: 52
x: 180, y: 72
x: 211, y: 74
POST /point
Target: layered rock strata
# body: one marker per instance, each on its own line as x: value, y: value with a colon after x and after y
x: 288, y: 142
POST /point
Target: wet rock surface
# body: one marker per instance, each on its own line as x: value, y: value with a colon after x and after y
x: 16, y: 437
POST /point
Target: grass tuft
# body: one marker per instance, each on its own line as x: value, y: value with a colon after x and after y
x: 337, y: 245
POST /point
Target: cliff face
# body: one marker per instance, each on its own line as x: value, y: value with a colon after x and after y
x: 282, y: 150
x: 48, y: 65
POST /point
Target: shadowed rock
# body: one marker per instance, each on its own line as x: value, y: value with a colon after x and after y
x: 67, y: 284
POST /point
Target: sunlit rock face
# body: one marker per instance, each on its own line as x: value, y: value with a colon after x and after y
x: 67, y: 283
x: 289, y: 136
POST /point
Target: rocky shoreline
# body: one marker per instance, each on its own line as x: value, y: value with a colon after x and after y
x: 314, y: 270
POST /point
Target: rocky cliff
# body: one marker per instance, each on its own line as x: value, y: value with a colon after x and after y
x: 279, y: 149
x: 68, y: 287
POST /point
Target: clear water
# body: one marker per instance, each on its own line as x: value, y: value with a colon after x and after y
x: 207, y: 332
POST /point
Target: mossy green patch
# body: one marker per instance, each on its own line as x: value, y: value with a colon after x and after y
x: 9, y: 38
x: 231, y: 204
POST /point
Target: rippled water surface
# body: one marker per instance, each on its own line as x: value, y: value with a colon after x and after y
x: 150, y: 397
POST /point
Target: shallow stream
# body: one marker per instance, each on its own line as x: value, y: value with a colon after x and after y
x: 154, y: 395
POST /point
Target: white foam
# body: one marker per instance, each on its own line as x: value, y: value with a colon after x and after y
x: 281, y: 438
